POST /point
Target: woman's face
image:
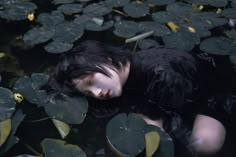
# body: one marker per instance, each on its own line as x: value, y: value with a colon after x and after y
x: 100, y: 86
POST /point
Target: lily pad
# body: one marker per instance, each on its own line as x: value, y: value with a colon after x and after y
x: 125, y: 28
x: 125, y: 134
x: 70, y: 9
x: 152, y: 141
x: 58, y: 47
x: 59, y: 148
x: 136, y: 9
x: 180, y: 9
x: 16, y: 10
x: 217, y: 45
x: 229, y: 12
x: 25, y: 155
x: 38, y: 35
x: 12, y: 139
x: 160, y: 2
x: 147, y: 43
x: 97, y: 9
x: 159, y: 29
x: 166, y: 146
x: 233, y: 58
x: 92, y: 26
x: 7, y: 104
x: 71, y: 110
x: 68, y: 32
x: 30, y: 88
x: 62, y: 1
x: 164, y: 17
x: 116, y: 3
x: 82, y: 20
x: 52, y: 19
x: 215, y: 3
x: 181, y: 40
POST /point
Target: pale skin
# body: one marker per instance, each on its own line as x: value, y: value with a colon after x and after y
x: 208, y: 134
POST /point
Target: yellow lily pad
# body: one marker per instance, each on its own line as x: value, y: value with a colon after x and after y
x: 62, y: 127
x: 152, y: 141
x: 173, y: 26
x: 5, y: 129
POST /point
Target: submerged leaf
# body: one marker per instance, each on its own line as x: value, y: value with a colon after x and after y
x: 62, y: 127
x: 5, y: 129
x: 152, y: 141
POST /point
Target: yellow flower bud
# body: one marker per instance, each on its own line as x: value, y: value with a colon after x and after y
x: 191, y: 29
x: 30, y: 17
x: 18, y: 97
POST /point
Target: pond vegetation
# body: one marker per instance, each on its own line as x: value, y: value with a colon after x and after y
x: 34, y: 34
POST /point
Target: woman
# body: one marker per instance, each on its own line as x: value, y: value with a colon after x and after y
x: 167, y: 83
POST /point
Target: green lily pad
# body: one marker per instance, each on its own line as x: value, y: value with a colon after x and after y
x: 136, y: 9
x: 70, y: 9
x: 160, y: 2
x: 63, y: 128
x: 181, y: 40
x: 52, y: 19
x: 38, y: 35
x: 82, y: 20
x: 30, y: 88
x: 16, y: 10
x: 166, y: 146
x: 25, y: 155
x: 7, y: 104
x: 97, y: 9
x: 233, y: 3
x: 92, y: 26
x: 59, y: 148
x: 125, y: 134
x: 217, y: 45
x: 180, y: 9
x: 125, y: 28
x: 58, y: 47
x: 215, y: 3
x: 231, y: 34
x: 68, y: 32
x: 229, y: 12
x: 62, y: 1
x: 116, y: 3
x: 71, y: 110
x: 12, y: 139
x: 233, y: 58
x: 5, y: 129
x: 147, y: 43
x: 164, y: 17
x: 159, y: 29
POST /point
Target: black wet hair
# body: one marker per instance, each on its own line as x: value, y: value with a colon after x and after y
x: 88, y: 57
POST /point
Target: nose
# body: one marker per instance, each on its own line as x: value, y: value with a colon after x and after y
x: 96, y: 91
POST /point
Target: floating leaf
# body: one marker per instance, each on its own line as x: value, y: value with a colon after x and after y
x: 125, y: 134
x: 152, y: 141
x: 7, y: 103
x: 58, y: 148
x: 92, y: 26
x: 26, y: 155
x: 58, y: 47
x: 160, y: 2
x: 164, y: 17
x: 16, y: 10
x: 52, y: 19
x: 38, y: 35
x: 159, y: 30
x: 82, y: 20
x: 70, y: 8
x: 97, y: 9
x: 125, y: 28
x: 5, y: 129
x: 147, y: 43
x: 68, y: 32
x: 71, y: 110
x: 116, y: 3
x: 180, y: 9
x: 217, y: 45
x: 136, y: 9
x: 30, y: 88
x: 229, y: 12
x: 166, y: 146
x: 62, y: 127
x: 182, y: 40
x: 62, y: 1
